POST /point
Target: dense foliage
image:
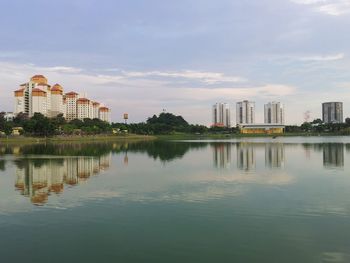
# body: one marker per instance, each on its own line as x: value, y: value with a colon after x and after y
x: 39, y: 125
x: 164, y: 123
x: 318, y: 126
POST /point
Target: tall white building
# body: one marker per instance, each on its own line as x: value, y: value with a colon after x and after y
x: 332, y: 112
x: 70, y: 101
x: 274, y: 113
x: 39, y: 101
x: 95, y: 110
x: 57, y: 106
x: 245, y: 112
x: 24, y: 96
x: 221, y: 115
x: 84, y: 108
x: 105, y: 114
x: 37, y: 96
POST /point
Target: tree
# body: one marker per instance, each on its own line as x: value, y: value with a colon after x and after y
x: 347, y: 121
x: 306, y: 126
x: 317, y: 121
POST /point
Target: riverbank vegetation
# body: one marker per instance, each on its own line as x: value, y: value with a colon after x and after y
x: 165, y: 125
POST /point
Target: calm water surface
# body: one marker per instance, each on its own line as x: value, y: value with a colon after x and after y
x: 253, y: 200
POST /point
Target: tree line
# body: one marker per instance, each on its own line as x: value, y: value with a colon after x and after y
x: 164, y: 123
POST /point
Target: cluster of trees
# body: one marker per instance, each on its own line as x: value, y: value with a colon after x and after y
x: 168, y: 123
x: 39, y: 125
x: 164, y: 123
x: 318, y: 126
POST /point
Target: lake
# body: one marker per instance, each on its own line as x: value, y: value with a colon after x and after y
x: 246, y: 200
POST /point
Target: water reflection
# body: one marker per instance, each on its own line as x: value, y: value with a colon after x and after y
x: 333, y: 155
x: 245, y: 156
x: 44, y: 169
x: 274, y: 155
x: 37, y: 178
x: 221, y: 155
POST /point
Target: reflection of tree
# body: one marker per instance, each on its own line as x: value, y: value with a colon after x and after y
x: 221, y: 154
x: 333, y: 155
x: 165, y: 151
x: 2, y: 165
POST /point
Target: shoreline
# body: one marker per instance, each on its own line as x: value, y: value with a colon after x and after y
x: 78, y: 139
x: 136, y: 137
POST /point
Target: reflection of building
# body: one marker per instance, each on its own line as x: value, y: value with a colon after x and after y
x: 245, y: 156
x: 274, y: 113
x: 221, y: 115
x: 274, y: 155
x: 333, y: 155
x: 37, y: 178
x: 222, y: 155
x: 332, y: 112
x: 245, y: 112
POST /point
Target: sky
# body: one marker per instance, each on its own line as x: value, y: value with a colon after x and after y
x: 143, y: 56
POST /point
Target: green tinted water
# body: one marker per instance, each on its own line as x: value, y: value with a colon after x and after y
x: 256, y: 200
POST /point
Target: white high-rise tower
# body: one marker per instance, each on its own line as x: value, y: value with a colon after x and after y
x: 221, y: 115
x: 245, y: 112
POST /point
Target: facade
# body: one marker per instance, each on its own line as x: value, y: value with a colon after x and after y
x: 221, y: 115
x: 332, y: 112
x: 261, y: 128
x: 84, y: 109
x: 105, y: 114
x: 20, y: 101
x: 39, y: 101
x: 70, y: 101
x: 274, y: 113
x: 95, y: 110
x: 57, y: 106
x: 245, y: 112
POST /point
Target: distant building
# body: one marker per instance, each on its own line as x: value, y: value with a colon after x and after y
x: 37, y: 96
x: 105, y: 114
x: 245, y: 112
x: 274, y: 113
x: 30, y: 94
x: 70, y: 102
x: 84, y: 109
x: 332, y: 112
x: 57, y: 106
x: 221, y: 115
x: 261, y: 128
x: 95, y: 110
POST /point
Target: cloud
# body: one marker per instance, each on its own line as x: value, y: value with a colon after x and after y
x: 202, y: 76
x: 144, y: 93
x: 329, y: 7
x: 334, y: 57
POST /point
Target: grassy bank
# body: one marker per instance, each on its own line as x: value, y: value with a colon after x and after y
x: 81, y: 139
x: 210, y: 136
x: 135, y: 137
